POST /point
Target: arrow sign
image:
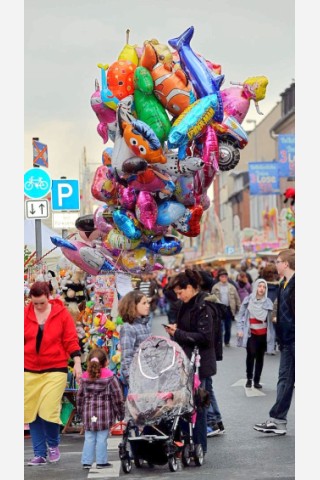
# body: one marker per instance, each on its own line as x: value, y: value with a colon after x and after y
x: 250, y: 392
x: 37, y: 208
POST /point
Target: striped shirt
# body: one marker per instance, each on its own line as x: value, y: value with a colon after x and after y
x: 258, y: 327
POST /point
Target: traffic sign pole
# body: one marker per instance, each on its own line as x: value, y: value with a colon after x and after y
x: 38, y: 238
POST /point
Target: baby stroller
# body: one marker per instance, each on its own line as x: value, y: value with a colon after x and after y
x: 161, y: 407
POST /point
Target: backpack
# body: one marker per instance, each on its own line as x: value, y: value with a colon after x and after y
x: 219, y: 312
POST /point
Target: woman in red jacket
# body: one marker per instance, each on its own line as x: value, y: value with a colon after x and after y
x: 50, y: 339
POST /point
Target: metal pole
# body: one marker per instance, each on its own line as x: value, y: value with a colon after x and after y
x: 38, y: 238
x: 64, y: 231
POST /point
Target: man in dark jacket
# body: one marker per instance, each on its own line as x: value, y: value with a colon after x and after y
x: 285, y: 330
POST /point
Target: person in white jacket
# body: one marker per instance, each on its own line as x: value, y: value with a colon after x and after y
x: 255, y: 330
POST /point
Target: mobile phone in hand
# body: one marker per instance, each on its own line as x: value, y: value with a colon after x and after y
x: 164, y: 325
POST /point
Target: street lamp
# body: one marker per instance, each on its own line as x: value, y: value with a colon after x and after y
x: 255, y: 138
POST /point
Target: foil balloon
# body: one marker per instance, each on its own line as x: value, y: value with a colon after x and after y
x: 138, y: 260
x: 184, y: 192
x: 148, y: 107
x: 86, y: 227
x: 107, y: 156
x: 193, y: 121
x: 151, y: 180
x: 175, y: 167
x: 127, y: 197
x: 156, y: 233
x: 105, y: 115
x: 117, y: 240
x: 100, y: 219
x: 169, y: 212
x: 202, y: 78
x: 172, y: 88
x: 121, y: 151
x: 146, y: 210
x: 168, y: 245
x: 210, y: 155
x: 143, y: 142
x: 127, y: 224
x: 203, y: 200
x: 117, y: 83
x: 236, y: 100
x: 129, y: 51
x: 87, y: 258
x: 189, y: 223
x: 134, y: 165
x: 103, y: 186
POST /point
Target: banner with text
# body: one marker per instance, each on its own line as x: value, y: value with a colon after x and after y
x: 264, y: 178
x: 286, y: 154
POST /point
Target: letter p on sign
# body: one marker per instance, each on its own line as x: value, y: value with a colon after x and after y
x: 65, y: 195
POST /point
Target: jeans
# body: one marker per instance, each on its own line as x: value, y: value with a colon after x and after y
x: 285, y: 384
x: 95, y: 447
x: 226, y: 326
x: 200, y: 428
x: 43, y: 434
x: 213, y: 413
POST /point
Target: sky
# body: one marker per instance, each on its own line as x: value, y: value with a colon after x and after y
x: 65, y: 40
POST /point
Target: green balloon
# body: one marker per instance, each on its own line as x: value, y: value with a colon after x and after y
x: 147, y: 106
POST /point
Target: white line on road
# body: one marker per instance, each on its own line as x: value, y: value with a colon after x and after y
x: 250, y: 392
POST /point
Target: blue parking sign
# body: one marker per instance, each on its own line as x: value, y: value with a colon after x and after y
x: 65, y: 195
x: 37, y: 183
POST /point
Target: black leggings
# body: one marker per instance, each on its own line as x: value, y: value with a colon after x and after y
x: 256, y: 348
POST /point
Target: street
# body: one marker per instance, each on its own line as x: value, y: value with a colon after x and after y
x: 240, y: 453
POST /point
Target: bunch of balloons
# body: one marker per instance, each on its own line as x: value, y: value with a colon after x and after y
x: 172, y: 129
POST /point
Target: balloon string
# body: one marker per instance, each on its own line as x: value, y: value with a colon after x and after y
x: 41, y: 258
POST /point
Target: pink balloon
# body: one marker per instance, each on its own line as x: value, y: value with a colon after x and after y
x: 106, y: 116
x: 146, y: 209
x: 210, y: 155
x: 100, y: 221
x: 87, y: 258
x: 127, y: 197
x: 103, y: 187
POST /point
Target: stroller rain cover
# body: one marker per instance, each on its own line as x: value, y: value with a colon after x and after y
x: 161, y: 381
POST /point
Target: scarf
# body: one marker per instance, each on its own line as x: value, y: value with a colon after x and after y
x: 255, y: 305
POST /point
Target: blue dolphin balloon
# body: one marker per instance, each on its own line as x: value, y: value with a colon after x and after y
x: 202, y: 78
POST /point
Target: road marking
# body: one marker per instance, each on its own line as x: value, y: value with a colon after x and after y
x: 250, y: 392
x: 109, y: 472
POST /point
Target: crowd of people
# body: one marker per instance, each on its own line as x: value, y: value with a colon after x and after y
x: 201, y: 306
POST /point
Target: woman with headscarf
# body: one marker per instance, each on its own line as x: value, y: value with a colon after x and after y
x: 255, y: 330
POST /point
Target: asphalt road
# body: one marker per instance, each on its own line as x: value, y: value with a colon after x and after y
x: 240, y: 453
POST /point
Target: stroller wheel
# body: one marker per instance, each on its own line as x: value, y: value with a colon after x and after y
x: 198, y: 455
x: 126, y: 465
x: 138, y: 462
x: 173, y: 464
x: 186, y: 455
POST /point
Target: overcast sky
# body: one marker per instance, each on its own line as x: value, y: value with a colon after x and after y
x: 65, y: 39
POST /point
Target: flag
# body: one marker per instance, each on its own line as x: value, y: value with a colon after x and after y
x: 40, y: 154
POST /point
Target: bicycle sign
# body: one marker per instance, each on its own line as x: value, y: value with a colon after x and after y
x: 37, y: 183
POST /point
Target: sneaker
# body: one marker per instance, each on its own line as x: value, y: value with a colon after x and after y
x: 249, y: 384
x: 271, y: 427
x: 213, y: 430
x: 37, y: 461
x: 104, y: 465
x: 221, y: 427
x: 227, y: 345
x: 257, y: 385
x: 86, y: 466
x: 54, y: 454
